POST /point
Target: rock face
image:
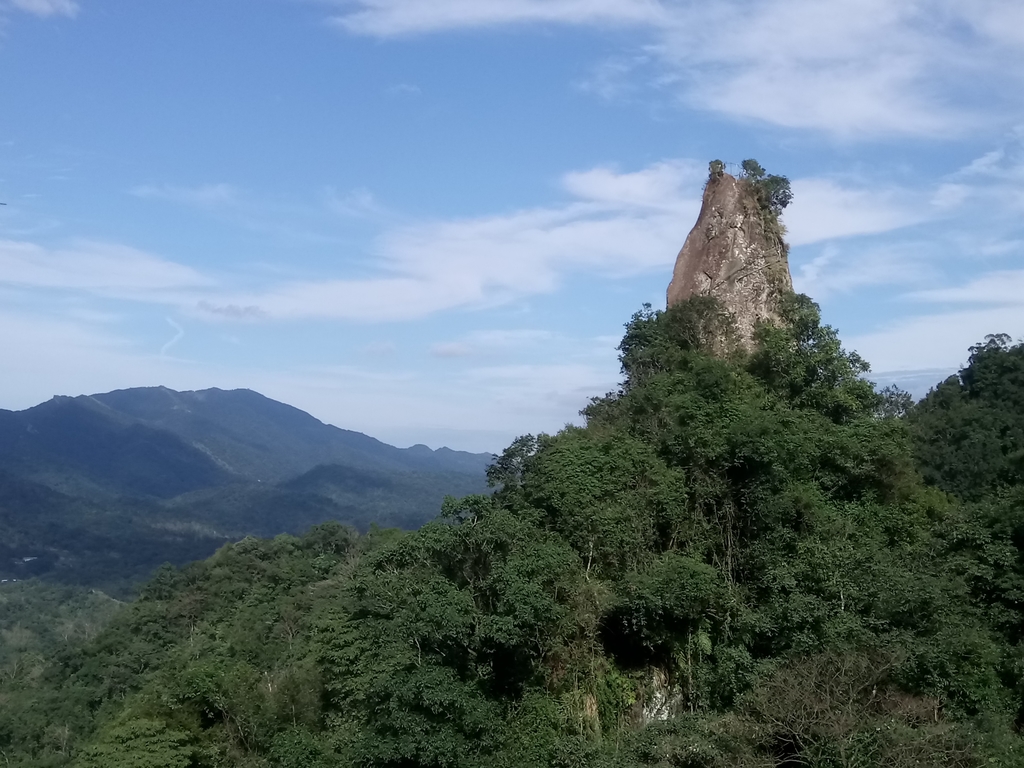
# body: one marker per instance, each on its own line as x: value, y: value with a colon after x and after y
x: 735, y: 252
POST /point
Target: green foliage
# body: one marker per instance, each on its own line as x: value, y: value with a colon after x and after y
x: 101, y: 490
x: 75, y: 540
x: 968, y: 437
x: 894, y: 402
x: 138, y: 743
x: 804, y: 363
x: 441, y: 634
x: 752, y: 169
x: 115, y: 544
x: 773, y: 193
x: 841, y: 709
x: 734, y: 564
x: 655, y: 341
x: 211, y: 661
x: 969, y: 430
x: 507, y: 469
x: 298, y: 748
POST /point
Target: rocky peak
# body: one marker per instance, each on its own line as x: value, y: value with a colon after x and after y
x: 735, y: 252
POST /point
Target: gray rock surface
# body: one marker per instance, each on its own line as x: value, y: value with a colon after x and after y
x: 735, y: 252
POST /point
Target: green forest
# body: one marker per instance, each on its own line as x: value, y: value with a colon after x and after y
x: 742, y: 560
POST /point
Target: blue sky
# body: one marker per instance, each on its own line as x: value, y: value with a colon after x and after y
x: 428, y: 221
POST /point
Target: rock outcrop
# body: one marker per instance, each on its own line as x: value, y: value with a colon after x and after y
x: 735, y: 252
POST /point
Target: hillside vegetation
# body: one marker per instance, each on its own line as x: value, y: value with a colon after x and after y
x: 753, y: 561
x: 100, y: 490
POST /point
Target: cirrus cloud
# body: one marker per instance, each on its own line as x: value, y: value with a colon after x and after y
x: 101, y: 268
x: 45, y: 8
x: 390, y: 18
x: 205, y: 196
x: 613, y: 224
x: 852, y: 68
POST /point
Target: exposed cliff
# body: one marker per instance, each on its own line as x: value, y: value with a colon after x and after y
x: 735, y: 252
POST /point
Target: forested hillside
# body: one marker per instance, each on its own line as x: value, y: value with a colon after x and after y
x: 98, y: 491
x: 257, y: 438
x: 109, y: 545
x: 968, y: 436
x: 740, y: 561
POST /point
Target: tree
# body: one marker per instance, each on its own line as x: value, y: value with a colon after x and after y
x: 773, y: 193
x: 969, y: 430
x: 138, y: 743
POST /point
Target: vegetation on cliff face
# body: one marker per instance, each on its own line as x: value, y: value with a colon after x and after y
x: 772, y: 192
x: 736, y: 562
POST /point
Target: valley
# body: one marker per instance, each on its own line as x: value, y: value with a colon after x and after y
x: 99, y: 490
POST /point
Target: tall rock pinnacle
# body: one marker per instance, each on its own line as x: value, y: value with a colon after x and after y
x: 735, y: 251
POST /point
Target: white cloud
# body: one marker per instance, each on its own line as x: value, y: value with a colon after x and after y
x: 491, y: 404
x: 388, y: 18
x: 357, y: 204
x: 380, y: 348
x: 1002, y: 165
x: 46, y: 8
x: 47, y: 355
x: 955, y: 296
x: 179, y: 334
x: 614, y: 224
x: 515, y: 337
x: 999, y: 20
x: 451, y: 349
x: 615, y: 77
x: 403, y: 89
x: 996, y: 247
x: 204, y: 196
x: 1003, y: 287
x: 843, y: 269
x: 935, y: 341
x: 848, y: 67
x: 950, y: 195
x: 989, y: 164
x: 561, y: 389
x: 991, y: 188
x: 664, y: 185
x: 822, y: 209
x: 917, y: 383
x: 619, y: 224
x: 100, y: 268
x: 490, y: 342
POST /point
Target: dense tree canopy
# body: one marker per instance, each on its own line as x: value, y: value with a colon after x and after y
x: 969, y: 430
x: 735, y: 562
x: 773, y: 192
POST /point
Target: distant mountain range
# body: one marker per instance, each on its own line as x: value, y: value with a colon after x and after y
x: 102, y: 488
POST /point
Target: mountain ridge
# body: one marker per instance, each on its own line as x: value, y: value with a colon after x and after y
x: 102, y: 488
x: 232, y: 412
x: 155, y: 441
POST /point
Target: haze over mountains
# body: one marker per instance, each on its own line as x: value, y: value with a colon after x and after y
x: 103, y: 488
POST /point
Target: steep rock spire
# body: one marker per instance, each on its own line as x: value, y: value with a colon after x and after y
x: 736, y: 253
